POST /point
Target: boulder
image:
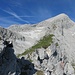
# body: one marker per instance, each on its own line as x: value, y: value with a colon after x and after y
x: 68, y: 69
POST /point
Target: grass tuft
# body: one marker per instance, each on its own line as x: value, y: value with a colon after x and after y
x: 40, y: 72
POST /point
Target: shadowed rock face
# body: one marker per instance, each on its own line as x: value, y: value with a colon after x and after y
x: 11, y: 65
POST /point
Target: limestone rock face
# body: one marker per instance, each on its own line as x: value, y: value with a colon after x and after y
x: 58, y: 25
x: 41, y: 53
x: 6, y: 34
x: 69, y: 69
x: 31, y: 33
x: 25, y: 36
x: 55, y: 64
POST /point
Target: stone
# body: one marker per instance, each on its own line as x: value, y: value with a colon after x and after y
x: 68, y: 69
x: 48, y: 51
x: 41, y: 53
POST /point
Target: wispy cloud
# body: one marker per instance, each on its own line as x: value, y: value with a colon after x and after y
x: 6, y: 22
x: 16, y: 16
x: 19, y: 16
x: 26, y: 16
x: 15, y: 3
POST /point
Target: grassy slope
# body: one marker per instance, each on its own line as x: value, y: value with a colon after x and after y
x: 44, y: 42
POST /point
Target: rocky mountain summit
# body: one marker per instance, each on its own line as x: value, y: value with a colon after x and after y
x: 49, y: 45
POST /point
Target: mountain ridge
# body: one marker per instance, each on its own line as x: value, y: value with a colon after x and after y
x: 33, y: 33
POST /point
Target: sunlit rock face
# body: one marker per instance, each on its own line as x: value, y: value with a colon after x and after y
x: 35, y: 32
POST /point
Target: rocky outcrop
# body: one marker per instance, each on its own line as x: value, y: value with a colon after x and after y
x: 54, y: 63
x: 6, y: 34
x: 11, y: 65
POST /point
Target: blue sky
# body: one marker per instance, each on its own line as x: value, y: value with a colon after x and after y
x: 33, y: 11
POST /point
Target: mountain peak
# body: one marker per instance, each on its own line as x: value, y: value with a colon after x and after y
x: 60, y: 17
